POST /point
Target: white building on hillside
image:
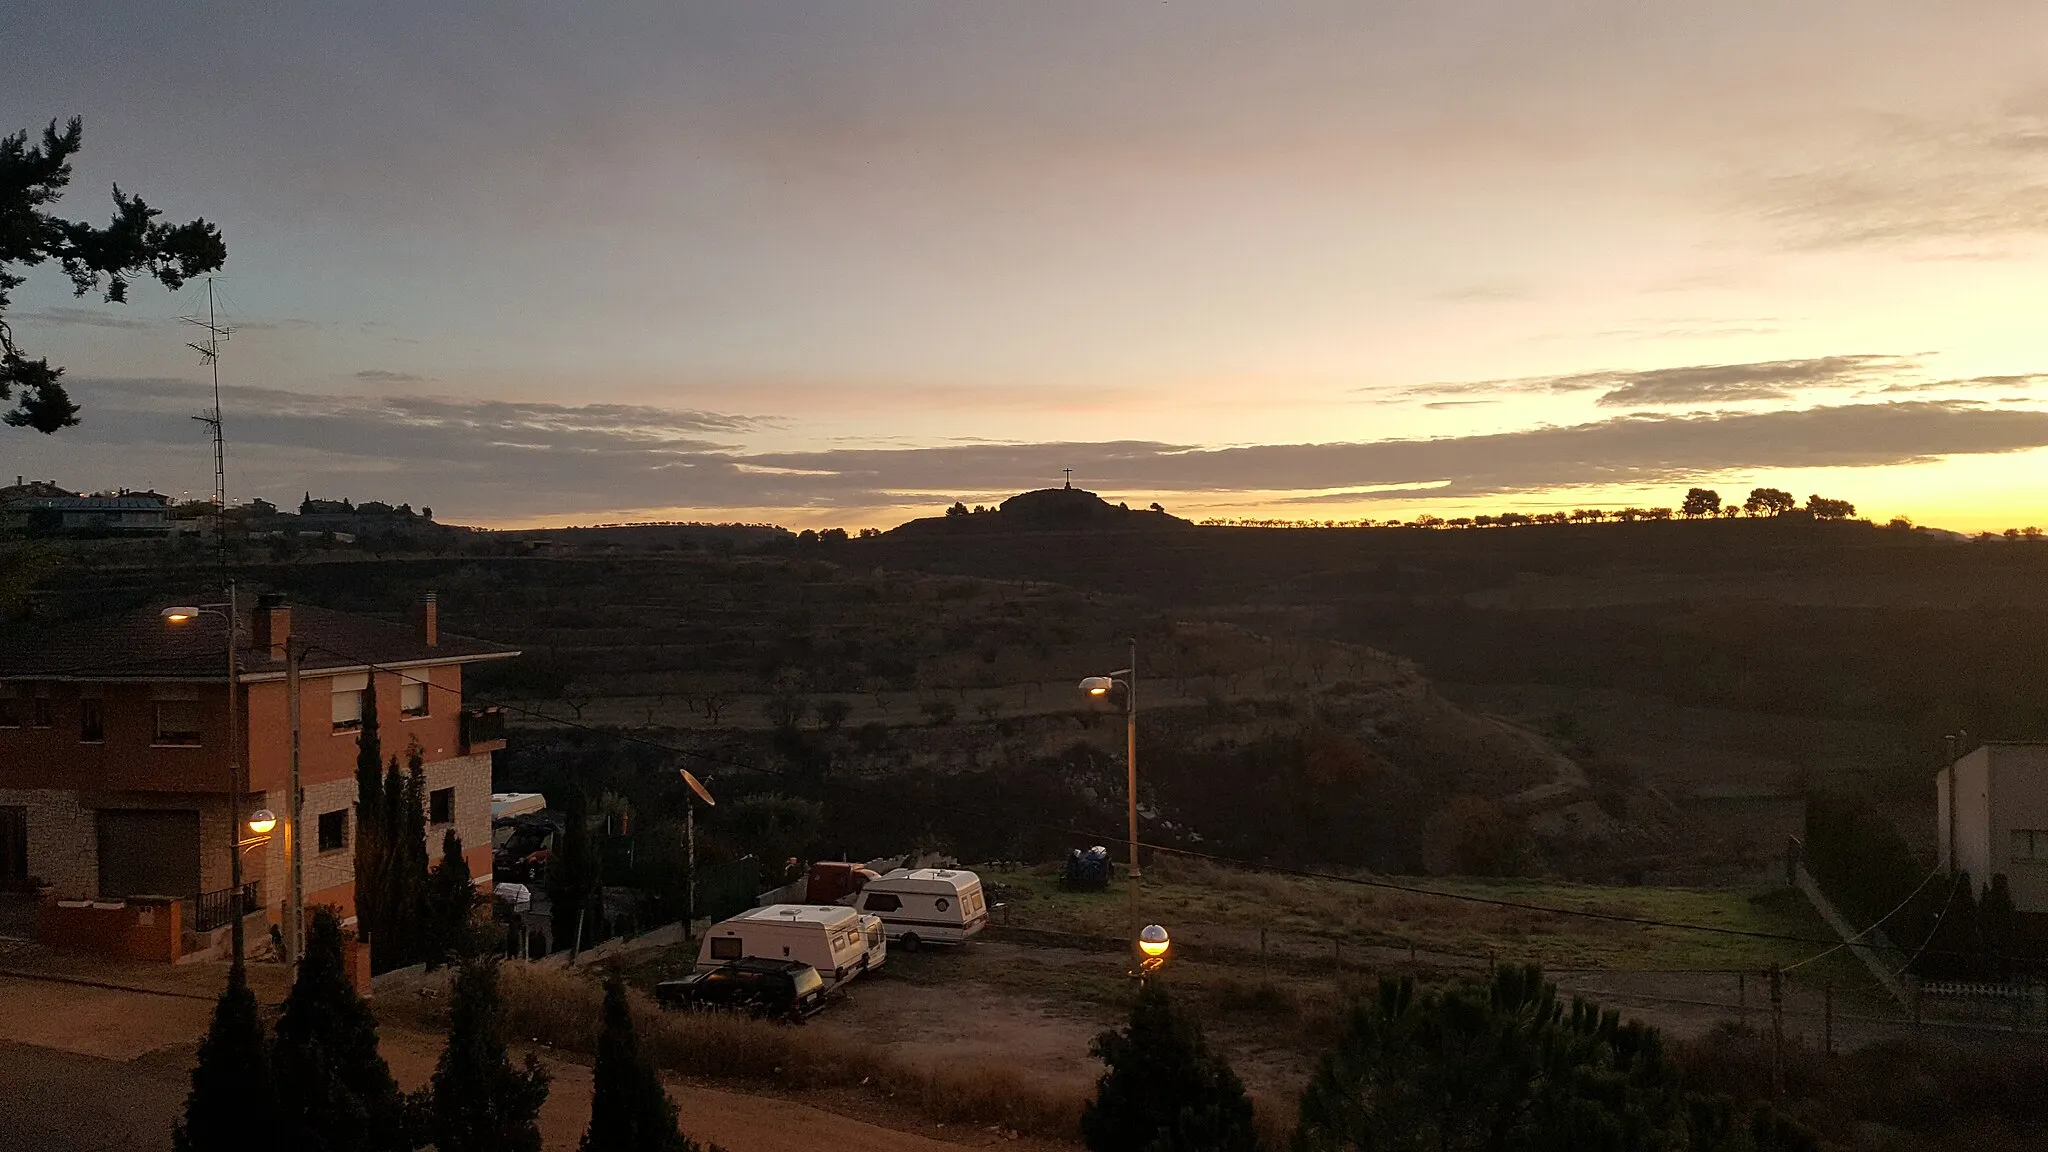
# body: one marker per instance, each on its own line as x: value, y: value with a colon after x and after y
x: 1992, y: 817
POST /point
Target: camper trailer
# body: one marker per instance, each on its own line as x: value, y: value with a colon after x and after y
x: 921, y: 906
x: 838, y: 941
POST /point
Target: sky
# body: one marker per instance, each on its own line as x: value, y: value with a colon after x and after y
x: 843, y: 263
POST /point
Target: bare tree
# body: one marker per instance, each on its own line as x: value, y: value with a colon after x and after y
x: 577, y: 695
x: 715, y: 703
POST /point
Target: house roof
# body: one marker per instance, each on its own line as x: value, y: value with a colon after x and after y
x: 140, y: 645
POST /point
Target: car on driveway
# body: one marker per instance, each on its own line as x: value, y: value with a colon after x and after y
x: 758, y: 986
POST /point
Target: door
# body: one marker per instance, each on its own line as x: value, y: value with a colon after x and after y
x: 13, y: 848
x: 147, y: 852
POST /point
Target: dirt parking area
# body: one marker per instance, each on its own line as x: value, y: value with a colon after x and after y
x: 89, y: 1064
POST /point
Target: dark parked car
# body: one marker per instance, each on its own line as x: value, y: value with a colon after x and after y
x: 769, y: 989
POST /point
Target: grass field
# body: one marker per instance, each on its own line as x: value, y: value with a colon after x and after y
x: 1218, y: 910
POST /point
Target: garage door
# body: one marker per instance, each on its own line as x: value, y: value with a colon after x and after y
x: 148, y: 853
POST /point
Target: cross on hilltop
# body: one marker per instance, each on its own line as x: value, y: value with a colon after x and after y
x: 1070, y: 476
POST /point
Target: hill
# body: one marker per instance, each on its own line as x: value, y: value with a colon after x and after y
x: 1041, y: 511
x: 1722, y: 664
x: 858, y: 687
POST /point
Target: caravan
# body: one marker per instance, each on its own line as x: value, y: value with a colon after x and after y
x: 838, y: 941
x: 921, y: 906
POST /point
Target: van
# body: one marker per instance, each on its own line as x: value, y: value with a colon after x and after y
x: 838, y: 941
x: 920, y: 906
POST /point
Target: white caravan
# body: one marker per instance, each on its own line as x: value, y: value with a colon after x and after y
x: 838, y: 941
x: 921, y: 906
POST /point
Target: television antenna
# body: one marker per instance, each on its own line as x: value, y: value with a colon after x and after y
x: 209, y: 354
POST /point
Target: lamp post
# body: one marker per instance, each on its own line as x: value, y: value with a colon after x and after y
x: 1153, y: 944
x: 1127, y: 679
x: 230, y: 613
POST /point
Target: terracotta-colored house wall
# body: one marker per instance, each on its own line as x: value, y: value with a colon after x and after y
x: 127, y: 759
x: 327, y: 754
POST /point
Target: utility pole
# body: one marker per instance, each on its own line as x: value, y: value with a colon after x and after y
x: 235, y: 790
x: 1131, y: 769
x: 1777, y: 1035
x: 1950, y: 744
x: 294, y: 843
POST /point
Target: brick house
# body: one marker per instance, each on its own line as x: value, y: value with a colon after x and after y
x: 114, y: 778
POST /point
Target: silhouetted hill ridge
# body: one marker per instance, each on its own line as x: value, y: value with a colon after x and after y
x: 1047, y: 510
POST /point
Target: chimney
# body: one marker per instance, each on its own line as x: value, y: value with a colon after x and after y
x: 430, y: 619
x: 273, y: 623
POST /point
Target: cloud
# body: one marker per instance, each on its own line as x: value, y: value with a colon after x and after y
x: 2027, y: 380
x: 1909, y: 180
x: 1490, y: 292
x: 1635, y: 449
x: 1691, y: 384
x: 498, y: 461
x: 1734, y: 383
x: 83, y: 318
x: 380, y: 376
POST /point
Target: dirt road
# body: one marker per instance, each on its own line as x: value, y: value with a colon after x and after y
x: 85, y: 1068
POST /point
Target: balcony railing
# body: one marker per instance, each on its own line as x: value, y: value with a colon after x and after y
x: 210, y: 910
x: 481, y: 726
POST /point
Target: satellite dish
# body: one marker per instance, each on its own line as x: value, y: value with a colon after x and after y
x: 698, y: 787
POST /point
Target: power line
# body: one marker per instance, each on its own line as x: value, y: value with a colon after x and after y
x: 1170, y: 849
x: 1210, y: 857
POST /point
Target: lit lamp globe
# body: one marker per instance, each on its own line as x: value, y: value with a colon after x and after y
x: 262, y: 821
x: 1153, y: 942
x: 1097, y: 685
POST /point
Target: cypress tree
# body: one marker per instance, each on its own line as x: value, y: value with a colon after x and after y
x: 372, y: 850
x: 478, y: 1102
x: 231, y: 1107
x: 398, y: 941
x: 629, y: 1109
x: 334, y: 1091
x: 1164, y: 1091
x: 450, y: 905
x: 573, y: 874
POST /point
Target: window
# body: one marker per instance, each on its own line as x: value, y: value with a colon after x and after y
x: 2030, y: 843
x: 334, y: 830
x: 412, y: 698
x: 92, y: 723
x: 726, y: 948
x: 942, y: 903
x: 177, y: 722
x: 441, y: 806
x: 347, y: 708
x: 39, y: 715
x: 884, y: 902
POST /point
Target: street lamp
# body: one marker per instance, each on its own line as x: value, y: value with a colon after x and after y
x: 1153, y: 944
x: 1100, y: 686
x: 262, y: 821
x: 231, y: 613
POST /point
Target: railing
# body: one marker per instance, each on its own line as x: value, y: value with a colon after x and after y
x: 481, y: 726
x: 210, y: 910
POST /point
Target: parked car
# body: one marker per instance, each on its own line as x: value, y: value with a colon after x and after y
x: 836, y: 940
x: 768, y: 989
x: 920, y: 906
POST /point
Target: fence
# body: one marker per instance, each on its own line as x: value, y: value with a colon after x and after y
x: 211, y: 910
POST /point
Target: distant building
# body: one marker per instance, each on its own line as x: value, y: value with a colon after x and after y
x: 1992, y: 818
x: 114, y: 514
